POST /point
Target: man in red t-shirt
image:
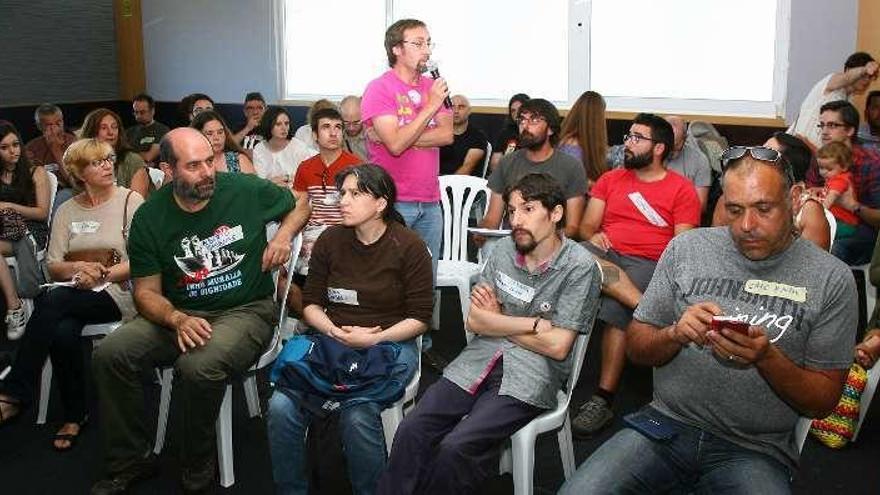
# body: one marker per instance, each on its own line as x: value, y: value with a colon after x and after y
x: 632, y: 214
x: 314, y: 185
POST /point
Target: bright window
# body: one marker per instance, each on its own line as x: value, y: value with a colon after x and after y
x: 689, y: 56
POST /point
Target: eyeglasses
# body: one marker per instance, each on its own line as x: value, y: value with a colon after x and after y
x: 637, y: 138
x: 528, y: 120
x: 351, y: 122
x: 111, y: 159
x: 761, y: 153
x: 198, y: 110
x: 421, y: 44
x: 830, y: 125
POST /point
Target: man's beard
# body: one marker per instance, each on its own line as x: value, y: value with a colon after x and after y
x: 194, y: 192
x: 526, y: 247
x: 531, y: 141
x: 636, y: 162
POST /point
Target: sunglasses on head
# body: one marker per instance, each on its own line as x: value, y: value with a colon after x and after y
x: 761, y: 153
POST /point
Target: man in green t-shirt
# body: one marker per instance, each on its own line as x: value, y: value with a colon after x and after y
x: 200, y: 264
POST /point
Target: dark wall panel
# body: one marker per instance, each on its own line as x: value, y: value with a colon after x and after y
x: 57, y: 51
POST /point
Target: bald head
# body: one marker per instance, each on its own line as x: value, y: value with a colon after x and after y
x: 679, y: 131
x: 350, y: 109
x: 176, y: 140
x: 461, y: 110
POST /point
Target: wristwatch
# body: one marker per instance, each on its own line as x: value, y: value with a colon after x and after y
x: 857, y: 209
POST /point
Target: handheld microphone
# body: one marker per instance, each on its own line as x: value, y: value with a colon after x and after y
x: 435, y: 74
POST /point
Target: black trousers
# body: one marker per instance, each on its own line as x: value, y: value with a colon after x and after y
x: 436, y: 451
x: 55, y: 330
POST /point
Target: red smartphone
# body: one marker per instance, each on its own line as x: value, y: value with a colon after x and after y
x: 731, y: 323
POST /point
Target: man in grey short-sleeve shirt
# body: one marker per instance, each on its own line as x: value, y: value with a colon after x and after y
x: 687, y: 159
x: 537, y: 292
x: 539, y: 125
x: 725, y: 402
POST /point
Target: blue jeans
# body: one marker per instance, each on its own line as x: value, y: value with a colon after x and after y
x: 363, y: 439
x: 427, y: 220
x: 362, y: 435
x: 856, y: 250
x: 695, y: 461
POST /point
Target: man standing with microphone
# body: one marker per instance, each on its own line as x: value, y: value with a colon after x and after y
x: 407, y: 122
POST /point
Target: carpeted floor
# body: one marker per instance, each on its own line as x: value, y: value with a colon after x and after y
x: 28, y: 465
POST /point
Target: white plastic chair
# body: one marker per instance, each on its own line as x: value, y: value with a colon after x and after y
x: 487, y: 159
x: 832, y: 227
x: 96, y: 331
x: 224, y: 418
x: 801, y: 430
x: 393, y: 415
x: 867, y: 395
x: 869, y: 290
x: 157, y: 176
x: 454, y: 269
x: 519, y: 458
x: 41, y: 254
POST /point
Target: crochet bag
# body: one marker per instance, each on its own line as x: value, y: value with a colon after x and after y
x: 837, y: 429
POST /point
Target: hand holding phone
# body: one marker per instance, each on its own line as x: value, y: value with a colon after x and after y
x: 730, y: 323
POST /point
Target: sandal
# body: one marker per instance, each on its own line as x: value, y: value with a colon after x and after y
x: 70, y: 438
x: 5, y: 416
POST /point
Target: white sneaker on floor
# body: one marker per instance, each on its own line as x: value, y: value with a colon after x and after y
x: 16, y: 320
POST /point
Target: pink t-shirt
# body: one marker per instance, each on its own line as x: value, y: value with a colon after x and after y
x: 640, y: 217
x: 415, y: 170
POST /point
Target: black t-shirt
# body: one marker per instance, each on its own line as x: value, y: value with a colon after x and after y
x: 452, y: 156
x: 141, y: 137
x: 507, y: 139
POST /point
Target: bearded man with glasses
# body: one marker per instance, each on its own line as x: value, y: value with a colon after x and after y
x: 632, y: 215
x: 728, y: 392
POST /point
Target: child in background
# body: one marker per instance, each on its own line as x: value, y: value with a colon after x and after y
x: 835, y: 159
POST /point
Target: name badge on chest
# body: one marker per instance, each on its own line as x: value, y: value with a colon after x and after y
x: 84, y: 227
x: 515, y: 288
x: 342, y: 296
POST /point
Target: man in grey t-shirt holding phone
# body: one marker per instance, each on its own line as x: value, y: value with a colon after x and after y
x: 726, y: 403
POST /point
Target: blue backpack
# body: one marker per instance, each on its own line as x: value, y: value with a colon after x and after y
x: 330, y: 374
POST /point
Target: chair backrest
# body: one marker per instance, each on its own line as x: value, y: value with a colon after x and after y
x: 157, y: 176
x: 832, y: 227
x: 53, y: 191
x: 274, y: 346
x: 457, y: 195
x: 487, y: 159
x: 579, y: 352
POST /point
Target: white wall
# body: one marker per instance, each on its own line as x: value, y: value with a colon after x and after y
x: 822, y: 35
x: 225, y: 48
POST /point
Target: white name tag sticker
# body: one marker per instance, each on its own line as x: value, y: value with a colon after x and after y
x: 516, y: 289
x: 775, y: 289
x: 646, y: 209
x: 84, y: 227
x: 148, y: 140
x: 342, y: 296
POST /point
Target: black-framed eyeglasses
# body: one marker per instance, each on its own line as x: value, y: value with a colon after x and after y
x: 111, y: 159
x: 761, y: 153
x: 830, y: 125
x: 637, y: 138
x: 530, y: 119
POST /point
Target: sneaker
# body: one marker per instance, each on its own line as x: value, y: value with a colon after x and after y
x: 16, y: 320
x: 593, y: 415
x: 120, y: 482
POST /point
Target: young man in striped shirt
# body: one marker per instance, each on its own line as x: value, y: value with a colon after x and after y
x: 315, y: 184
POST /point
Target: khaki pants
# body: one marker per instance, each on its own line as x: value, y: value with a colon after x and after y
x: 239, y: 335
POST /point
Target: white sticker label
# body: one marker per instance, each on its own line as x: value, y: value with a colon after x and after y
x: 342, y: 296
x: 84, y: 227
x: 646, y: 209
x: 516, y: 289
x: 775, y: 289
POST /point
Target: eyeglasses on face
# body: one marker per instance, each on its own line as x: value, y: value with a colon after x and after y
x: 637, y: 138
x: 529, y: 119
x: 111, y: 159
x: 421, y: 44
x: 830, y: 125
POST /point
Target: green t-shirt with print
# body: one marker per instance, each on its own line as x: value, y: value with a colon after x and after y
x: 211, y: 259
